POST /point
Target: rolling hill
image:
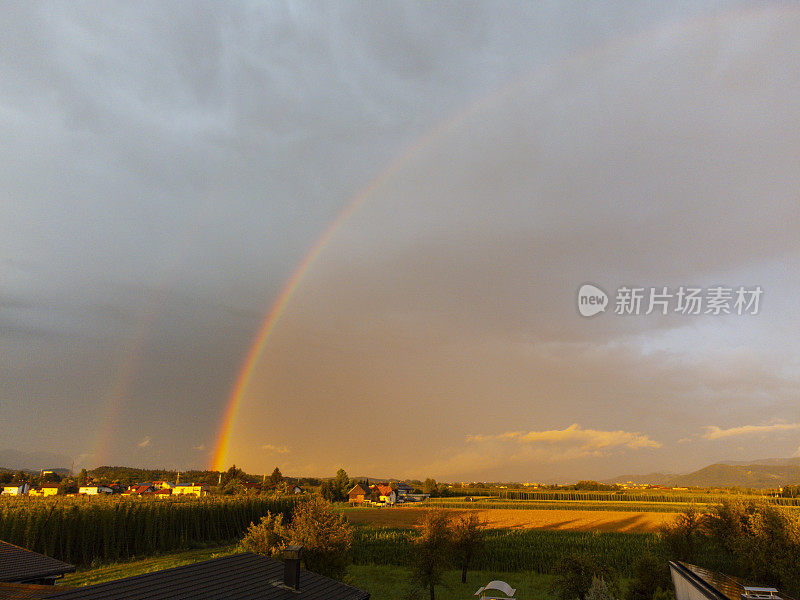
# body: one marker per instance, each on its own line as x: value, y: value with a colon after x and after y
x: 764, y: 473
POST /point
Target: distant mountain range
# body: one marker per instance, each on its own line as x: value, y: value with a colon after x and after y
x: 15, y: 460
x: 763, y: 473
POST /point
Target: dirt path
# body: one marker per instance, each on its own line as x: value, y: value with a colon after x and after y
x: 575, y: 520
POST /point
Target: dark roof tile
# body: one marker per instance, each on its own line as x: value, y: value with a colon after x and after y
x: 24, y: 591
x: 240, y: 576
x: 20, y: 565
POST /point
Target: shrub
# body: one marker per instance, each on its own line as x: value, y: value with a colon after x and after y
x: 268, y: 537
x: 575, y: 575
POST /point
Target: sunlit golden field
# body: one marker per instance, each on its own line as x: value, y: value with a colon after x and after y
x: 573, y: 520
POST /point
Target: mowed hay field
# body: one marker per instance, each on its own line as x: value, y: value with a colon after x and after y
x: 498, y: 518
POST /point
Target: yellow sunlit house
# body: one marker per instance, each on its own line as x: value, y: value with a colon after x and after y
x: 190, y: 489
x: 93, y: 490
x: 47, y: 489
x: 16, y: 489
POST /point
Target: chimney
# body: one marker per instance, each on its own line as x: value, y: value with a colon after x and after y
x: 291, y: 566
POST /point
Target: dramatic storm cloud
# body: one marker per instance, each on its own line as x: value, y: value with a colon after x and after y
x: 167, y: 167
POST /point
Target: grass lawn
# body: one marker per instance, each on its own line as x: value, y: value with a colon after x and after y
x: 392, y: 583
x: 118, y: 570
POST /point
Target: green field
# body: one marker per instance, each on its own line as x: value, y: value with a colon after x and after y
x: 393, y: 583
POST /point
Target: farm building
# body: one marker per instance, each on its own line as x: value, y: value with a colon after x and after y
x: 358, y: 494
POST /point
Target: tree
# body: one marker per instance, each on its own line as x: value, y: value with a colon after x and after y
x: 790, y: 491
x: 328, y: 491
x: 20, y: 477
x: 67, y: 487
x: 575, y: 575
x: 232, y: 473
x: 336, y: 489
x: 763, y: 539
x: 375, y: 495
x: 342, y: 483
x: 276, y: 477
x: 324, y: 534
x: 233, y: 487
x: 683, y: 536
x: 468, y: 541
x: 51, y: 477
x: 268, y: 537
x: 432, y: 550
x: 83, y: 477
x: 649, y: 575
x: 429, y: 487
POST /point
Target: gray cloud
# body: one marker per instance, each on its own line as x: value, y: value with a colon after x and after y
x: 165, y: 171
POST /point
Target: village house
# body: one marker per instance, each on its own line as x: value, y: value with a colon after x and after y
x: 93, y: 490
x: 190, y: 489
x: 46, y: 489
x: 403, y: 490
x: 16, y: 489
x: 385, y: 493
x: 140, y: 489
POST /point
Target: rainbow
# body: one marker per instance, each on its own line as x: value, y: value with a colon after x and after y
x: 116, y: 396
x: 219, y: 458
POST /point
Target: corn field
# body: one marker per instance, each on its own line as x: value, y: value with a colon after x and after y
x: 637, y: 496
x: 641, y: 506
x: 523, y: 550
x: 82, y: 531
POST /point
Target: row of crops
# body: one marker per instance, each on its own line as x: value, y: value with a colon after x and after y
x: 526, y: 550
x: 561, y: 505
x: 621, y: 496
x: 81, y: 531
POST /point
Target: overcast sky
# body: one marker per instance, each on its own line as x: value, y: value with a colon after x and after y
x: 166, y: 167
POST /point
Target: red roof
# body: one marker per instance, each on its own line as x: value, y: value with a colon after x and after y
x: 358, y: 490
x: 384, y: 490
